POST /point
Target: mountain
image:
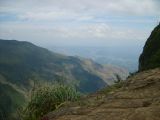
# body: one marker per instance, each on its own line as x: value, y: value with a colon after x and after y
x: 137, y: 98
x: 24, y: 65
x: 150, y: 57
x: 113, y: 55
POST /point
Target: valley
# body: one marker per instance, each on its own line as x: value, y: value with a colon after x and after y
x: 24, y: 65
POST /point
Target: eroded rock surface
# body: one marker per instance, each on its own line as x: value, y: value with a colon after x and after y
x: 137, y: 99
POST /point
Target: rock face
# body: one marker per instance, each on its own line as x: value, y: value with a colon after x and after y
x: 150, y: 57
x: 138, y: 99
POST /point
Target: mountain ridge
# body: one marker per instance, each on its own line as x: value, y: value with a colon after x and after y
x: 23, y: 64
x: 150, y: 57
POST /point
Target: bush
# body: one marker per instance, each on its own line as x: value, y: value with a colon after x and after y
x: 116, y: 86
x: 48, y: 98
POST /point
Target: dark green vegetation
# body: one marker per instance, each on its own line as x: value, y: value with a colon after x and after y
x: 150, y: 57
x: 24, y: 65
x: 10, y: 100
x: 46, y: 99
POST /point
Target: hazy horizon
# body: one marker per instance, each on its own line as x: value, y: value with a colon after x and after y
x: 118, y: 29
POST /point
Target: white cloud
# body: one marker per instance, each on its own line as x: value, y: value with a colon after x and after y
x: 78, y: 21
x: 43, y: 15
x: 50, y: 9
x: 89, y: 32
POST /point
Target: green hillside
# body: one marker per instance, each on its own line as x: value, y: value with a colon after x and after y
x: 10, y: 100
x: 24, y: 65
x: 22, y: 62
x: 150, y: 57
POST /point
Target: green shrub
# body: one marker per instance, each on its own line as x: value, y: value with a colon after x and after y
x: 48, y: 98
x: 116, y: 86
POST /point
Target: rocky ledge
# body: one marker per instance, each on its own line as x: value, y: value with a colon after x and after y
x: 137, y: 99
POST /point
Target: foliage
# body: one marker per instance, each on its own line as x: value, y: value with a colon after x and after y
x: 118, y: 78
x: 131, y: 74
x: 46, y: 99
x: 9, y: 102
x: 117, y: 85
x: 150, y: 58
x: 23, y: 62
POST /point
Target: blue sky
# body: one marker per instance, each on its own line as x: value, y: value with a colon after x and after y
x: 79, y: 22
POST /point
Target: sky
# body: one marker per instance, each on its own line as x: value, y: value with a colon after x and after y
x: 79, y: 22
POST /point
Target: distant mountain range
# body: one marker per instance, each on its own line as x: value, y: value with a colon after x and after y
x: 23, y: 64
x: 123, y: 56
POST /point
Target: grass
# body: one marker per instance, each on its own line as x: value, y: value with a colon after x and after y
x: 117, y: 85
x: 47, y: 99
x: 98, y: 98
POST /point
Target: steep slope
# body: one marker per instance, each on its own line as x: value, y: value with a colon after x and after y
x: 22, y: 62
x: 137, y: 99
x: 22, y: 65
x: 150, y: 57
x: 10, y: 100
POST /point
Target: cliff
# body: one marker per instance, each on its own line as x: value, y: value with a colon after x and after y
x: 150, y: 57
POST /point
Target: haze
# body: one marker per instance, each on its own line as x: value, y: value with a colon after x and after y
x: 117, y: 24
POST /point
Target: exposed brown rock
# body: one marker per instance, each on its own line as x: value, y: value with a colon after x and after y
x: 138, y: 99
